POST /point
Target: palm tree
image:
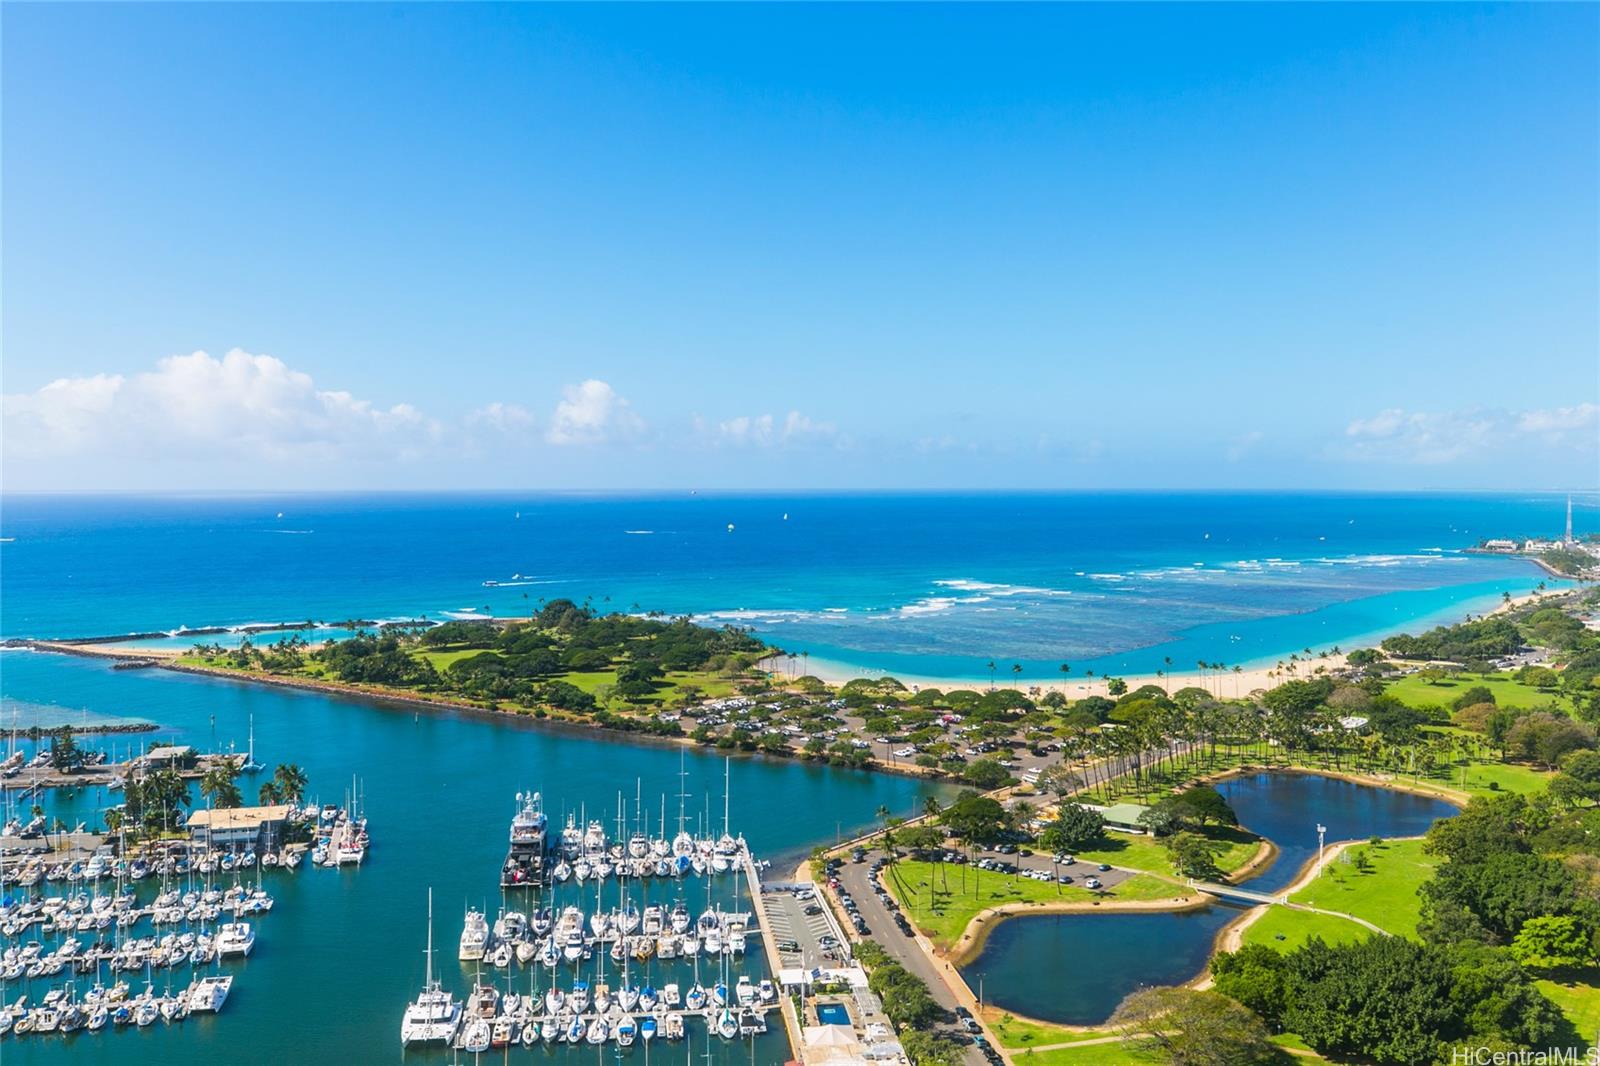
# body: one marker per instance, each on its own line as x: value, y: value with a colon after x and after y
x: 1016, y: 670
x: 291, y: 783
x: 218, y: 786
x: 991, y: 673
x: 1237, y: 670
x: 270, y: 795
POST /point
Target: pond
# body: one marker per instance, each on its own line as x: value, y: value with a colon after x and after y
x: 1076, y: 968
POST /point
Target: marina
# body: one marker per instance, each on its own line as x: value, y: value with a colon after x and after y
x: 443, y: 786
x: 539, y: 975
x: 152, y: 914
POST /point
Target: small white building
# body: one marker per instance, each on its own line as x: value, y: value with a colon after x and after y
x: 239, y: 828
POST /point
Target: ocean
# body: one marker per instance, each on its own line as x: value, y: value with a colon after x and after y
x: 921, y: 585
x: 934, y: 585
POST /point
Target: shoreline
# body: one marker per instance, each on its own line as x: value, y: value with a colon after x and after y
x: 1229, y: 684
x: 166, y: 659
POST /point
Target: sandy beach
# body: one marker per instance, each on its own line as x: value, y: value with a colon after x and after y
x: 1229, y: 683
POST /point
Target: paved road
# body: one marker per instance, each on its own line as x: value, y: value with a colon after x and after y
x: 853, y: 878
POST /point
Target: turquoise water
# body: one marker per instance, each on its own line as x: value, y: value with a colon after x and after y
x: 923, y: 585
x: 833, y: 1014
x: 1076, y: 968
x: 917, y: 584
x: 342, y: 952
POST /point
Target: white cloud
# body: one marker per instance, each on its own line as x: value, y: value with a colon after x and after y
x: 1560, y: 420
x: 1243, y: 445
x: 769, y: 431
x: 592, y: 413
x: 1429, y: 438
x: 245, y: 405
x: 508, y: 419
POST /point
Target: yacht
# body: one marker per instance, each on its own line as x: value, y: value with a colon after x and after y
x: 209, y: 993
x: 235, y: 938
x: 525, y: 861
x: 477, y: 1036
x: 434, y: 1016
x: 474, y: 936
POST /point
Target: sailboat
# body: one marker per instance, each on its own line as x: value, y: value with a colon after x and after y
x: 435, y: 1015
x: 250, y: 766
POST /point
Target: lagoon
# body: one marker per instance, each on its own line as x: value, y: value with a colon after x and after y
x: 1075, y: 968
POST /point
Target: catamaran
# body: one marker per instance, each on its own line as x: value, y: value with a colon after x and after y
x: 435, y: 1015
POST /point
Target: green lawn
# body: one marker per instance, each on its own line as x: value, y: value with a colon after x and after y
x: 1579, y: 999
x: 1015, y: 1033
x: 1108, y: 1054
x: 1135, y: 851
x: 1113, y: 1053
x: 1296, y: 927
x: 1510, y: 777
x: 941, y: 903
x: 443, y: 659
x: 1385, y: 895
x: 1508, y: 692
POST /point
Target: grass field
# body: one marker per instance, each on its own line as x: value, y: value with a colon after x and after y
x: 1107, y: 1054
x: 1296, y: 927
x: 1506, y: 777
x: 1134, y: 851
x: 1579, y: 999
x: 1414, y: 691
x: 1385, y: 895
x: 1113, y: 1053
x: 1015, y: 1033
x: 443, y: 660
x: 939, y: 903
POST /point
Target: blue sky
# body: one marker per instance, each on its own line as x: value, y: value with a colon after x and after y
x: 772, y: 246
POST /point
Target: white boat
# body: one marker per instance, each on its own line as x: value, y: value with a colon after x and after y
x: 235, y: 938
x: 599, y: 1032
x: 744, y: 991
x: 727, y: 1025
x: 474, y: 936
x: 477, y: 1036
x: 209, y: 993
x: 434, y: 1016
x: 647, y: 1028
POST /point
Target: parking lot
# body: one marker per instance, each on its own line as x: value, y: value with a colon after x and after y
x: 804, y: 937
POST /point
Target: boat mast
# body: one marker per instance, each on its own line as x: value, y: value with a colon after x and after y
x: 428, y: 984
x: 682, y: 795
